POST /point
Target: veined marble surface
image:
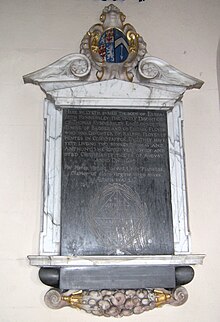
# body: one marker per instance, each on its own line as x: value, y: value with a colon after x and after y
x: 182, y: 241
x: 148, y: 89
x: 50, y: 219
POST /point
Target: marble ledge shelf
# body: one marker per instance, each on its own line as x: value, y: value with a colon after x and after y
x: 40, y: 260
x: 139, y: 103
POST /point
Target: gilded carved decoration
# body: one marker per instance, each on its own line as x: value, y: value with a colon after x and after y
x: 111, y: 303
x: 113, y: 47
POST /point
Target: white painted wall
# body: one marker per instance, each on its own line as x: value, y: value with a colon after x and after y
x: 34, y: 33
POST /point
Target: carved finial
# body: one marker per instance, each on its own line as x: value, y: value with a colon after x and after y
x: 112, y: 17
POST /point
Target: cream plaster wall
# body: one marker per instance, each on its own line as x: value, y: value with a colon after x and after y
x: 34, y: 33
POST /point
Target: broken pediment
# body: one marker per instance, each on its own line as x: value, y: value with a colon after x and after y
x: 72, y: 78
x: 112, y: 50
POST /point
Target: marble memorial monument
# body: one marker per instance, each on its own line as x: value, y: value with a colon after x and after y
x: 114, y: 236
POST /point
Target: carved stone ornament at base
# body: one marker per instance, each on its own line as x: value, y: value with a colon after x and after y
x: 114, y: 225
x: 111, y: 303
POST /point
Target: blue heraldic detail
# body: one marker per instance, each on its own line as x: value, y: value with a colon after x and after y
x: 113, y: 46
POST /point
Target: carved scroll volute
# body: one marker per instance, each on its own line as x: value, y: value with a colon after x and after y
x: 89, y: 45
x: 113, y: 47
x: 137, y: 48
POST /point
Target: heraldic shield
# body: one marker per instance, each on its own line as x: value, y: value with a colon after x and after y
x: 113, y: 46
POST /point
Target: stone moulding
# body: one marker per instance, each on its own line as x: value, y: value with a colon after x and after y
x: 116, y: 260
x: 136, y: 80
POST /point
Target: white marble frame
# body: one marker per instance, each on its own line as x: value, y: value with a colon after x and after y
x: 182, y: 238
x: 50, y: 228
x: 50, y: 218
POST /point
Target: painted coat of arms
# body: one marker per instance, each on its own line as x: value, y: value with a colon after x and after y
x: 114, y: 48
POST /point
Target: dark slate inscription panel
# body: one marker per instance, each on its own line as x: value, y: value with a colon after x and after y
x: 115, y: 183
x: 117, y: 277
